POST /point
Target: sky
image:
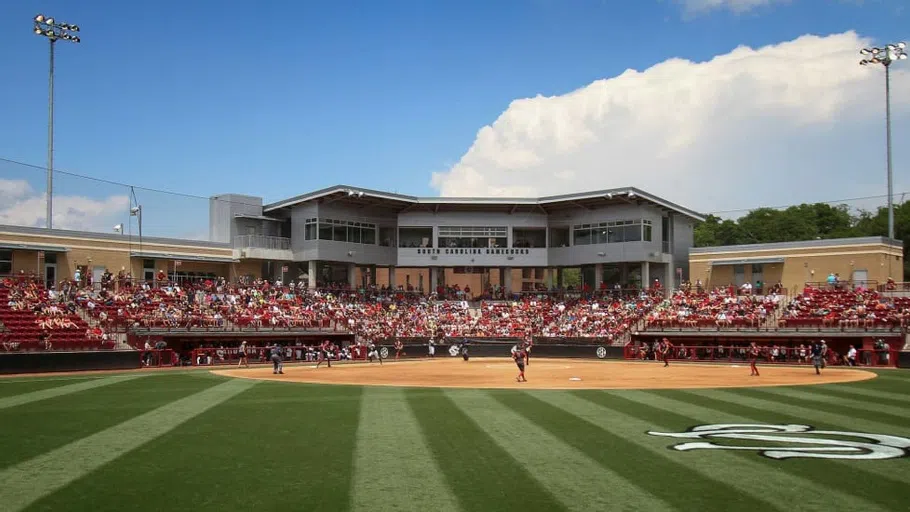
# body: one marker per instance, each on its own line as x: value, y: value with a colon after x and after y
x: 718, y: 105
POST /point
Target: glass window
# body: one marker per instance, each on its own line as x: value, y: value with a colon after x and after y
x: 368, y: 234
x: 387, y: 237
x: 415, y: 237
x: 529, y: 237
x: 339, y: 231
x: 647, y: 232
x: 311, y: 229
x: 582, y: 235
x: 757, y: 268
x: 559, y: 237
x: 6, y: 261
x: 49, y: 257
x: 325, y: 230
x: 354, y: 234
x: 632, y: 233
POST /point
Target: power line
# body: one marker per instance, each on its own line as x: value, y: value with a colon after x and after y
x: 194, y: 196
x: 783, y: 207
x: 119, y: 184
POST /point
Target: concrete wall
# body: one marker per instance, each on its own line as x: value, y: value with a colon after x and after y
x: 801, y: 264
x: 223, y: 210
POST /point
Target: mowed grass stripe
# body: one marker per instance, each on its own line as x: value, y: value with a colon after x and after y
x: 276, y: 446
x: 482, y: 475
x: 29, y: 481
x: 392, y: 459
x: 863, y: 395
x: 618, y: 441
x: 41, y: 426
x: 578, y: 481
x: 10, y: 388
x: 869, y: 408
x: 883, y: 481
x: 44, y: 394
x: 783, y: 483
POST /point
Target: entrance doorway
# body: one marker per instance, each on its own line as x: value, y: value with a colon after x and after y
x: 50, y: 275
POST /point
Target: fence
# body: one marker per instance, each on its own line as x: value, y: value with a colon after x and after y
x: 262, y: 242
x: 769, y: 355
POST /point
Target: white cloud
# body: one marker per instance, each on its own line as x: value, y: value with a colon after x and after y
x: 693, y: 7
x: 20, y: 205
x: 798, y: 121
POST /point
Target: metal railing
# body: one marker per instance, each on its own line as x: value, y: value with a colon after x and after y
x: 262, y: 242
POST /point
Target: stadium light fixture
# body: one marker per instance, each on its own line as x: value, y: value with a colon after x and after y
x: 118, y: 229
x: 53, y: 30
x: 886, y: 56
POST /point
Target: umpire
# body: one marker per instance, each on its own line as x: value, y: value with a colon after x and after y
x: 277, y: 366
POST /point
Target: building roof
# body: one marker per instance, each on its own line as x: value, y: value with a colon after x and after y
x: 401, y: 202
x: 120, y: 237
x: 803, y: 244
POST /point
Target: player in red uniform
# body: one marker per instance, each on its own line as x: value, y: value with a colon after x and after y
x: 753, y: 358
x: 665, y: 347
x: 520, y: 355
x: 325, y: 349
x: 399, y: 349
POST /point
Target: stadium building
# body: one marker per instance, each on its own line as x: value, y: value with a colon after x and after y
x: 362, y: 237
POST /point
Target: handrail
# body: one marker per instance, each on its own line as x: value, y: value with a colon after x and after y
x: 262, y: 242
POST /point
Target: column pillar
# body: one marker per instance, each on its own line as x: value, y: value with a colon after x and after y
x: 311, y: 274
x: 392, y: 277
x: 434, y: 279
x: 598, y: 275
x: 645, y: 275
x: 670, y: 276
x: 548, y: 277
x: 352, y: 276
x: 624, y: 275
x: 560, y: 278
x: 507, y: 279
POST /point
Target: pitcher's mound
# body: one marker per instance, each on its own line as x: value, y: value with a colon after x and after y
x: 549, y: 374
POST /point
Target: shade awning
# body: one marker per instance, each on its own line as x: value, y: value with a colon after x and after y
x: 182, y: 257
x: 746, y: 261
x: 33, y: 247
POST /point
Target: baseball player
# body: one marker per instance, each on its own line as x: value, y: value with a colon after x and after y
x: 753, y: 359
x: 431, y: 347
x: 817, y: 356
x: 464, y: 349
x: 399, y: 349
x: 824, y: 354
x: 242, y: 353
x: 529, y: 342
x: 277, y: 365
x: 665, y: 352
x: 372, y: 352
x: 325, y: 349
x: 520, y: 355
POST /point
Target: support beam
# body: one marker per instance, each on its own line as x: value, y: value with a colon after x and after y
x: 598, y: 275
x: 352, y: 276
x: 392, y: 278
x: 645, y: 275
x: 507, y: 279
x: 311, y: 274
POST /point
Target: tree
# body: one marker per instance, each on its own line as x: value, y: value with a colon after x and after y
x: 804, y: 222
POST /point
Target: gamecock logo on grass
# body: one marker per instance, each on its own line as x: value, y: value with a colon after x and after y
x: 792, y: 441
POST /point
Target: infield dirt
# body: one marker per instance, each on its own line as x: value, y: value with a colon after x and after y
x: 549, y: 374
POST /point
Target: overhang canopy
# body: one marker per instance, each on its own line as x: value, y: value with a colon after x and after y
x: 33, y: 247
x: 747, y: 261
x: 182, y: 257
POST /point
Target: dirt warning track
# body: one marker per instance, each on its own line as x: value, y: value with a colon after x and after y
x: 549, y: 374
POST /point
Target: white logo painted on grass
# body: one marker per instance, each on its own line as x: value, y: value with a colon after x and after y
x: 810, y: 443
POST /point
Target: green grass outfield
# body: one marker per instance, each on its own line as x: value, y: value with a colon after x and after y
x: 196, y: 441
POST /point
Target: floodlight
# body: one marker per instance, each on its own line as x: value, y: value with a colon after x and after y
x: 39, y: 18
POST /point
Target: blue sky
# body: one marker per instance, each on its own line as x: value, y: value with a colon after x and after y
x: 276, y: 98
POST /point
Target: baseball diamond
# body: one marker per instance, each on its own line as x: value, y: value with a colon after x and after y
x: 247, y: 439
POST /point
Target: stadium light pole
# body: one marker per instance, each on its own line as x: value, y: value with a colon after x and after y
x: 886, y: 56
x: 53, y: 30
